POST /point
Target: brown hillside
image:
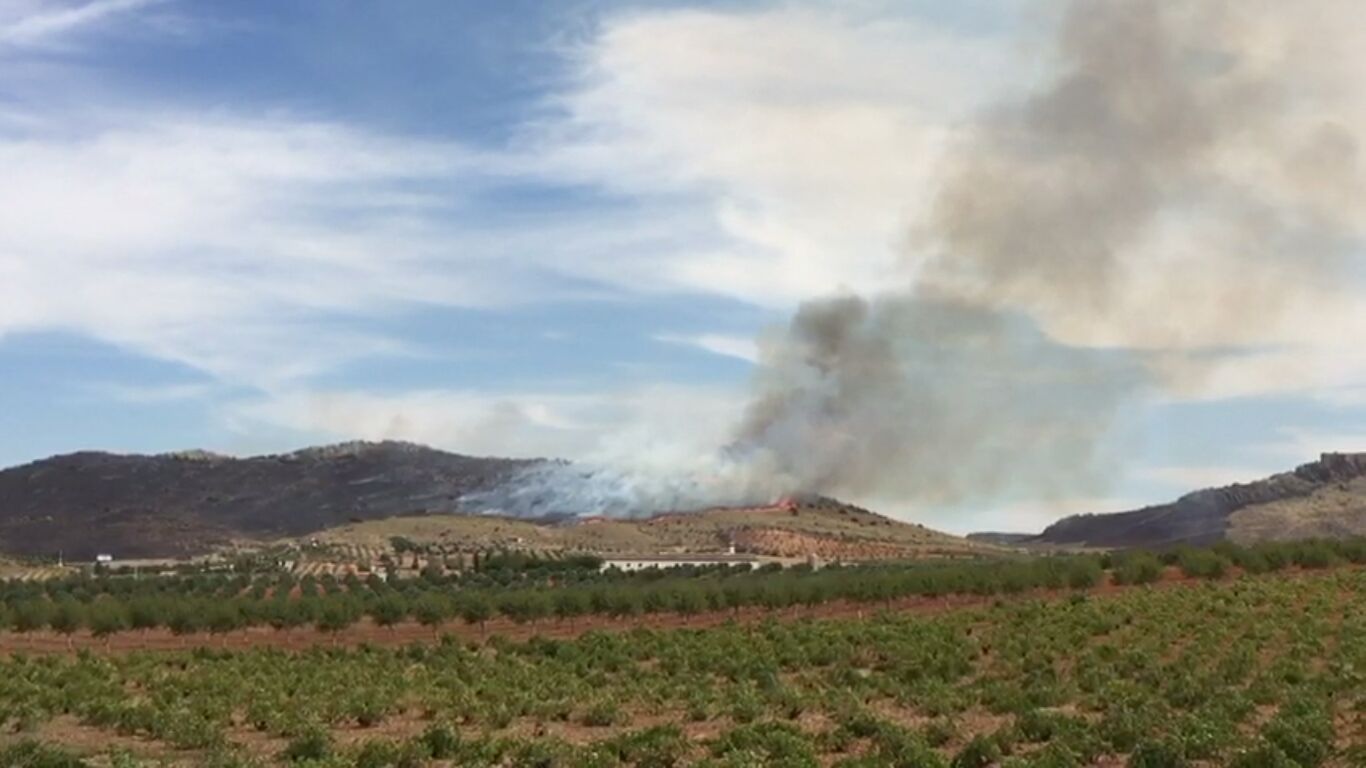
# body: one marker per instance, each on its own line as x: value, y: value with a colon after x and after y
x: 362, y: 494
x: 1331, y: 511
x: 815, y: 527
x: 175, y: 505
x: 1322, y: 498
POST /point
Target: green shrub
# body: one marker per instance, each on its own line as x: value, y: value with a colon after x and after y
x: 939, y: 732
x: 658, y: 747
x: 34, y: 754
x: 313, y: 744
x: 898, y: 747
x: 980, y: 752
x: 1084, y: 573
x: 1306, y: 739
x: 767, y: 744
x: 1314, y: 554
x: 1157, y: 754
x: 1137, y: 568
x: 1262, y: 756
x: 440, y: 741
x: 1051, y: 756
x: 602, y: 714
x: 376, y: 754
x: 1202, y: 563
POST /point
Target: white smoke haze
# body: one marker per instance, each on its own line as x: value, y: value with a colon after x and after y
x: 1181, y: 189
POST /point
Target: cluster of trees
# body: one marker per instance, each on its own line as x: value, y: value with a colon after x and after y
x: 533, y: 564
x: 1143, y: 567
x: 524, y: 588
x: 330, y: 604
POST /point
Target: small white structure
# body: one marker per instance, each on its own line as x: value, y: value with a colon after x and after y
x: 104, y: 559
x: 643, y: 562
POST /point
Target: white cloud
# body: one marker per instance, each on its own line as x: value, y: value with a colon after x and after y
x: 806, y: 136
x: 1304, y: 445
x: 151, y: 394
x: 740, y: 347
x: 648, y: 428
x: 1346, y: 396
x: 1022, y: 516
x: 1185, y: 478
x: 27, y: 24
x: 235, y: 245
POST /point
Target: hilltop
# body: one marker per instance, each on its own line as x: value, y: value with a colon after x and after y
x: 188, y: 503
x: 795, y: 528
x: 1324, y: 498
x: 363, y: 494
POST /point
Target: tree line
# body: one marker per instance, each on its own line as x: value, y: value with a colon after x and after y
x: 209, y: 603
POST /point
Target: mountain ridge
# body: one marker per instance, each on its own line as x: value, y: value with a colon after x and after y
x: 187, y: 503
x: 1211, y: 514
x: 190, y: 502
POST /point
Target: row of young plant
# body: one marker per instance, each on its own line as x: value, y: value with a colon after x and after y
x: 682, y: 591
x: 1251, y: 673
x: 331, y: 604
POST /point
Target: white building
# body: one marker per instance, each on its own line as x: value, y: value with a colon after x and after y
x: 643, y: 562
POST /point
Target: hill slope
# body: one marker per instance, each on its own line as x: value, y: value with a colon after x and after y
x: 181, y: 504
x: 799, y: 528
x: 1322, y: 498
x: 362, y: 494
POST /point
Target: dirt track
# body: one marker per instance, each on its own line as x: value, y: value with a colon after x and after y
x: 367, y: 633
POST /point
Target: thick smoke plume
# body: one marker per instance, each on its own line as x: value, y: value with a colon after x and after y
x: 1184, y: 179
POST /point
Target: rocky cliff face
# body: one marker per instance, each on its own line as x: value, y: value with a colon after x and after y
x: 1202, y: 517
x: 188, y: 503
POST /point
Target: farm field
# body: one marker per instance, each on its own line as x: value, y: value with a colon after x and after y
x: 525, y: 588
x: 1247, y: 670
x: 683, y: 384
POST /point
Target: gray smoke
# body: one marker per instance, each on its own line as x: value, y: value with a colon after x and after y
x: 1057, y: 204
x: 923, y: 399
x: 1052, y: 209
x: 1151, y: 209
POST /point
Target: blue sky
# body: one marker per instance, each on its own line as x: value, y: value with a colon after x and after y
x: 520, y: 228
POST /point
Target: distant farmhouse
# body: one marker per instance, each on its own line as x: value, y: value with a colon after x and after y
x: 642, y: 562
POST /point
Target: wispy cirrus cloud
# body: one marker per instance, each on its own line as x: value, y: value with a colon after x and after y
x: 805, y: 135
x: 739, y: 347
x: 622, y: 426
x: 51, y: 24
x: 151, y: 394
x: 258, y: 246
x: 225, y: 244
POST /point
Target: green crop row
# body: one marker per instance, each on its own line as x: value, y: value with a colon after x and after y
x: 105, y: 605
x: 1265, y: 671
